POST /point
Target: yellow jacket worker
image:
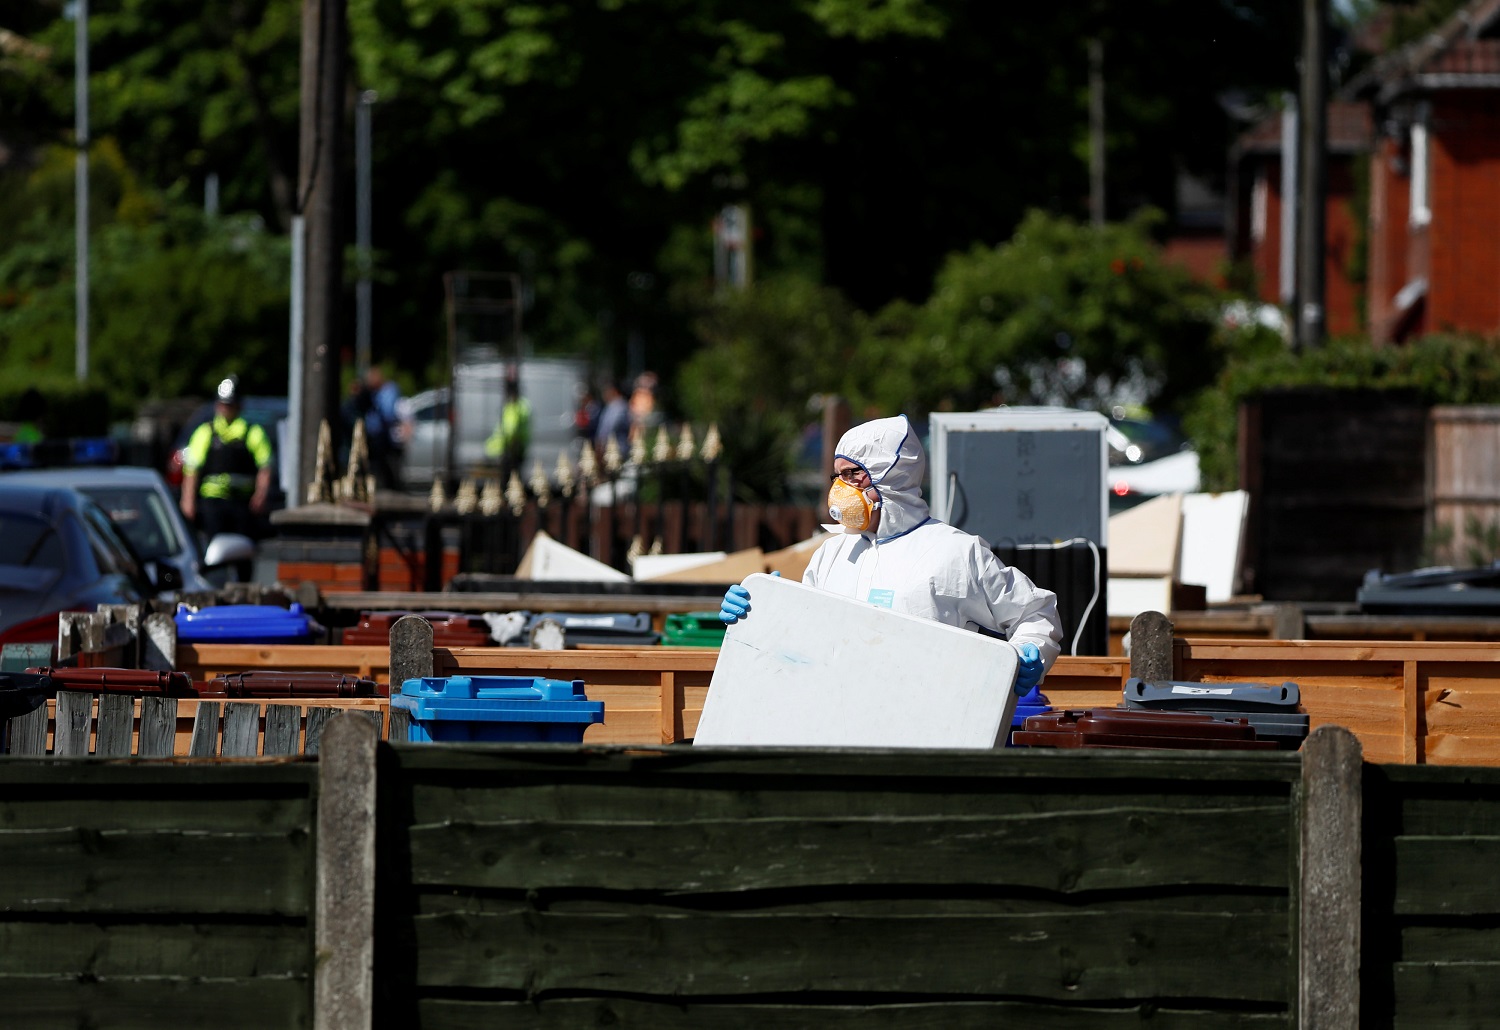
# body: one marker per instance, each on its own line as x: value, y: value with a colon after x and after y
x: 226, y: 468
x: 512, y: 433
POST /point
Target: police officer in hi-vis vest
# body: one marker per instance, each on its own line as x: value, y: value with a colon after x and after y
x: 226, y: 470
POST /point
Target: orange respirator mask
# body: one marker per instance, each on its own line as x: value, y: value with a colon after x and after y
x: 849, y: 507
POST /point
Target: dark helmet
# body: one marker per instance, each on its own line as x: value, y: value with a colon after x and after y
x: 229, y: 390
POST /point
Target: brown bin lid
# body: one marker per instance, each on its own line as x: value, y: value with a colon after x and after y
x: 1114, y: 727
x: 262, y: 683
x: 119, y: 681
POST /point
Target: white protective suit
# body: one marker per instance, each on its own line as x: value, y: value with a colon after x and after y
x: 916, y: 564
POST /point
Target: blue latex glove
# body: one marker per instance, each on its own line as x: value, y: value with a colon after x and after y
x: 1029, y: 669
x: 736, y: 604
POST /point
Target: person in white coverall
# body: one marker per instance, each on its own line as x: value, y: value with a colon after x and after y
x: 887, y: 549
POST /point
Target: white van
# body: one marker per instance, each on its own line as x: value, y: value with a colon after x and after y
x: 554, y: 388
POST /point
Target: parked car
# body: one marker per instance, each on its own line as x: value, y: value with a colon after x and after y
x: 139, y: 503
x: 1148, y: 457
x: 59, y: 551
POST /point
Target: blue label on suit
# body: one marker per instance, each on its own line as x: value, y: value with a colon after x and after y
x: 883, y: 598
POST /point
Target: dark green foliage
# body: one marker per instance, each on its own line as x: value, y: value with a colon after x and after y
x: 176, y: 298
x: 1062, y: 313
x: 588, y: 146
x: 1439, y: 369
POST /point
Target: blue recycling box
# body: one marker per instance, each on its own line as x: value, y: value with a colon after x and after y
x: 496, y: 708
x: 244, y: 624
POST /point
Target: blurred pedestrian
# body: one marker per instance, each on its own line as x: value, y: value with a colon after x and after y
x: 380, y: 404
x: 614, y: 421
x: 586, y: 417
x: 512, y: 433
x: 30, y: 408
x: 643, y: 413
x: 226, y: 469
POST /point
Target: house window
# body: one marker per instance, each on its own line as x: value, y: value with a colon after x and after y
x: 1421, y: 209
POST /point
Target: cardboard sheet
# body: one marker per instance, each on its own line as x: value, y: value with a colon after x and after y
x: 548, y: 558
x: 715, y: 567
x: 811, y: 668
x: 792, y: 561
x: 1144, y: 540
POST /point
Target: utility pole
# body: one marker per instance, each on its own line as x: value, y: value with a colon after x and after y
x: 1313, y: 155
x: 362, y: 205
x: 324, y: 54
x: 1096, y: 131
x: 81, y: 189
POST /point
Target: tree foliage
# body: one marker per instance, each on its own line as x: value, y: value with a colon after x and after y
x: 1063, y: 313
x: 176, y: 298
x: 1440, y: 369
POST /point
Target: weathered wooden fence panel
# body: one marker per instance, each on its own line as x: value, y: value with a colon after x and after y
x: 1465, y: 470
x: 1432, y: 907
x: 540, y: 886
x: 150, y: 895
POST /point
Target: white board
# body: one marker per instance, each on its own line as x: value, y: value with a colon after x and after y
x: 810, y: 668
x: 1213, y: 537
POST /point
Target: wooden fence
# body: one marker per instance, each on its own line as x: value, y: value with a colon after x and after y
x: 1413, y: 702
x: 1464, y: 471
x: 561, y: 885
x: 714, y: 888
x: 146, y: 895
x: 1431, y: 922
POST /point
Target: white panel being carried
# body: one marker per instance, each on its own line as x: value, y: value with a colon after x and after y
x: 809, y: 668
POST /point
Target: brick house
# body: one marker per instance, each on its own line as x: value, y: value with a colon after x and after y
x: 1434, y: 226
x: 1259, y: 236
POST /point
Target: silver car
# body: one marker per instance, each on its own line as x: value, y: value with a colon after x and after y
x: 138, y: 501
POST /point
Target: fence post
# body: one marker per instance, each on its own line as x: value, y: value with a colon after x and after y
x: 344, y: 977
x: 1328, y: 935
x: 411, y: 650
x: 1151, y: 647
x: 159, y: 642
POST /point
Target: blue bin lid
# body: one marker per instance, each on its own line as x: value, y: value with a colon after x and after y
x: 498, y: 699
x: 253, y: 622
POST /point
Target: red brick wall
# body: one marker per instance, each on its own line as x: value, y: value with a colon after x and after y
x: 1202, y: 255
x: 1342, y: 296
x: 1341, y: 299
x: 1464, y: 291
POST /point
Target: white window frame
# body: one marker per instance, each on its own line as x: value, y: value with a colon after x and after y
x: 1259, y: 202
x: 1421, y: 166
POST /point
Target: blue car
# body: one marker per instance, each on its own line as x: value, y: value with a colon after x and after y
x: 59, y: 551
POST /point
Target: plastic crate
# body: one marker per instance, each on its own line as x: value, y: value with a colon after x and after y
x: 496, y: 709
x: 693, y: 629
x: 244, y: 624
